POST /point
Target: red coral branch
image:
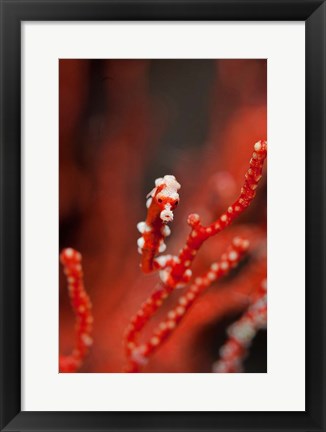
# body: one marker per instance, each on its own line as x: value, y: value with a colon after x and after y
x: 81, y: 305
x: 241, y: 334
x: 139, y: 353
x: 200, y: 233
x: 175, y: 271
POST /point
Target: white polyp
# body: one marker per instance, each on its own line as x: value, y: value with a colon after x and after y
x: 233, y: 256
x: 257, y: 146
x: 165, y: 231
x: 214, y: 267
x: 180, y: 310
x: 261, y: 321
x: 148, y: 202
x: 190, y: 296
x: 131, y: 345
x: 159, y: 181
x: 164, y: 275
x: 188, y: 274
x: 211, y: 276
x: 259, y: 304
x: 243, y: 332
x: 194, y: 217
x: 162, y: 260
x: 245, y: 244
x: 155, y: 340
x: 172, y: 186
x: 227, y: 350
x: 69, y: 252
x: 176, y: 260
x: 138, y: 357
x: 162, y: 247
x: 141, y: 242
x: 224, y: 265
x: 141, y: 227
x: 88, y: 341
x: 237, y: 241
x: 224, y: 218
x: 140, y: 251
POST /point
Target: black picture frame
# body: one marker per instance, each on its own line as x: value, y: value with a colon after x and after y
x: 12, y: 14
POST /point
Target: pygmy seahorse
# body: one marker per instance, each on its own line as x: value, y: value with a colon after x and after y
x: 161, y: 202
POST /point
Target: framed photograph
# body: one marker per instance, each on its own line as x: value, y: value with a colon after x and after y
x: 162, y: 168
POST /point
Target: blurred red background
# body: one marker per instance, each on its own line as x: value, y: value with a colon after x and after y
x: 123, y: 123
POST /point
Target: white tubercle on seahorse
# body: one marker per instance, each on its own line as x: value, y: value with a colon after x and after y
x: 143, y: 227
x: 171, y: 186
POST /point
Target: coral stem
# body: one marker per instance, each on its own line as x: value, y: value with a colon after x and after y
x: 199, y: 233
x: 139, y: 353
x: 241, y: 334
x: 81, y: 305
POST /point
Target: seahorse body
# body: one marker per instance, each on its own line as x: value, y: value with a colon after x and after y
x: 161, y: 202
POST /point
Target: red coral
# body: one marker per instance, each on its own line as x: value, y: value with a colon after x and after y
x: 81, y: 305
x: 175, y: 271
x: 138, y: 354
x: 242, y: 332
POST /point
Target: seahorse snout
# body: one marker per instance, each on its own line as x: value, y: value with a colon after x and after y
x: 167, y: 215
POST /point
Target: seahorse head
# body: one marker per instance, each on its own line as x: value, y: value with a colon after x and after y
x: 166, y: 196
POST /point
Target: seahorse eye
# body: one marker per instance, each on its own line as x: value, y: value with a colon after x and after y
x: 176, y: 202
x: 160, y: 200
